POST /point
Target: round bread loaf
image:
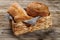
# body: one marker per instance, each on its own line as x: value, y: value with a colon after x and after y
x: 37, y: 9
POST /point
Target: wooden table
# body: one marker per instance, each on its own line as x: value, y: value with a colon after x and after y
x: 5, y: 29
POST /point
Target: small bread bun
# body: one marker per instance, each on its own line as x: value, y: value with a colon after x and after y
x: 37, y: 9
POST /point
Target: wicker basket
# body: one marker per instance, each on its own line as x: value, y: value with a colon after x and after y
x: 43, y: 26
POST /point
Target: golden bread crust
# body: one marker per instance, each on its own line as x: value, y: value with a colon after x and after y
x: 37, y: 9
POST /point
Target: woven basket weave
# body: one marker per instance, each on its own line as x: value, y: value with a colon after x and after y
x: 42, y: 24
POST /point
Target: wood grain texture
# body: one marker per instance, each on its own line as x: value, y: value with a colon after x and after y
x: 5, y: 29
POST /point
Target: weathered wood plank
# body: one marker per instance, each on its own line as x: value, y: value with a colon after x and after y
x: 8, y: 39
x: 52, y: 4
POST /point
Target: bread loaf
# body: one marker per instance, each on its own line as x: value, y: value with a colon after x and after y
x: 37, y: 9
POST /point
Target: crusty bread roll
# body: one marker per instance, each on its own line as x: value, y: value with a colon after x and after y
x: 18, y: 12
x: 37, y: 9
